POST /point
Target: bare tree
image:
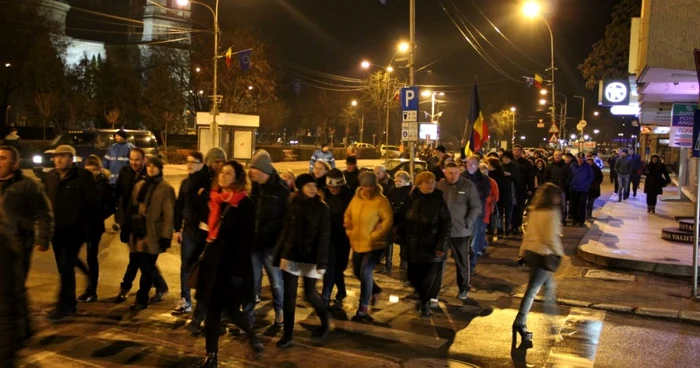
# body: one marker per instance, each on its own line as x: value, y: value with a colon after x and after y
x: 47, y: 105
x: 112, y: 116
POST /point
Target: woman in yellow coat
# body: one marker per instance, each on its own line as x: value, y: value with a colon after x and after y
x: 368, y: 220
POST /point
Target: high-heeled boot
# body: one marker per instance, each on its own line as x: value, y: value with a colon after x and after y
x: 653, y: 209
x: 521, y: 328
x: 211, y: 361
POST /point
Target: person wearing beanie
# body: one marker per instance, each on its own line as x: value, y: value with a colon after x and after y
x: 302, y: 250
x: 215, y: 159
x: 324, y: 154
x: 337, y: 195
x: 271, y: 195
x: 367, y: 222
x: 352, y: 173
x: 117, y: 156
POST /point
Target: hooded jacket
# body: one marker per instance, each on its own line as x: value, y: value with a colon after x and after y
x: 368, y: 220
x: 116, y: 158
x: 319, y: 155
x: 657, y: 178
x: 424, y: 227
x: 26, y: 205
x: 271, y: 201
x: 463, y: 201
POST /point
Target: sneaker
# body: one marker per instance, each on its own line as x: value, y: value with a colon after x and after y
x: 257, y: 299
x: 339, y: 298
x: 87, y: 297
x: 182, y: 307
x: 256, y: 344
x: 121, y: 297
x: 434, y: 301
x: 463, y: 295
x: 115, y: 227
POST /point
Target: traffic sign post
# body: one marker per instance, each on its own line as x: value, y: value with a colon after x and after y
x: 409, y: 127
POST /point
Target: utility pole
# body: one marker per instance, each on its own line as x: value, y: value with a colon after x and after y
x: 388, y: 101
x: 411, y: 69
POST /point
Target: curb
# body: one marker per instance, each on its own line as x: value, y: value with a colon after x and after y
x: 683, y: 316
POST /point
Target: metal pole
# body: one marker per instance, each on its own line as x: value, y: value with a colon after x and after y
x: 388, y: 100
x: 696, y: 238
x: 215, y: 109
x: 554, y: 95
x: 411, y: 68
x: 362, y: 125
x: 512, y: 132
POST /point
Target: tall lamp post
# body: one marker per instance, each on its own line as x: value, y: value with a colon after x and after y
x: 532, y: 9
x: 583, y: 106
x: 512, y: 131
x: 215, y: 98
x: 354, y: 103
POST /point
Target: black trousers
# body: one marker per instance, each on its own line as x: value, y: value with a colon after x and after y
x: 147, y: 265
x: 652, y: 199
x: 518, y: 211
x: 291, y: 283
x: 613, y: 179
x: 92, y: 269
x: 425, y: 279
x: 337, y: 263
x: 578, y: 206
x: 66, y: 247
x: 239, y: 307
x: 130, y: 275
x: 634, y: 183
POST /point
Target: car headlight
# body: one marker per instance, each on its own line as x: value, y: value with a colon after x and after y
x: 37, y: 159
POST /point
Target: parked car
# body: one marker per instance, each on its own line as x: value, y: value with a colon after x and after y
x: 389, y: 151
x: 365, y: 145
x: 88, y: 142
x: 394, y: 165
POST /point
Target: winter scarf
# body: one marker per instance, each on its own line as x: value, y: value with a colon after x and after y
x: 216, y: 198
x: 151, y: 183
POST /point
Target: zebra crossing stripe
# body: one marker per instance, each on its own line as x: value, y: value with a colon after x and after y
x: 577, y: 343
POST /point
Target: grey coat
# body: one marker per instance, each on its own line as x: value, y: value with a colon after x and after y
x: 159, y: 216
x: 623, y: 166
x: 465, y: 206
x: 28, y: 209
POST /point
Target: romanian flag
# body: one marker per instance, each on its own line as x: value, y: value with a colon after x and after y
x: 538, y: 81
x: 479, y: 130
x: 228, y: 54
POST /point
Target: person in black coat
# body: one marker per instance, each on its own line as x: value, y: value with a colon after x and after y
x: 337, y: 195
x: 437, y: 170
x: 505, y: 198
x: 396, y: 198
x: 611, y: 163
x: 303, y: 250
x: 539, y: 173
x: 424, y: 224
x: 559, y: 173
x: 657, y: 179
x: 13, y: 311
x: 513, y: 174
x: 523, y: 187
x: 226, y: 280
x: 594, y: 191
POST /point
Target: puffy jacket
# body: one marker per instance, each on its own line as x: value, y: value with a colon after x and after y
x: 319, y: 155
x: 192, y: 204
x: 368, y: 220
x: 125, y: 185
x: 581, y: 177
x: 270, y: 201
x: 12, y: 309
x: 463, y: 201
x: 558, y: 173
x: 307, y: 232
x: 158, y: 209
x: 74, y: 199
x: 482, y: 183
x: 26, y: 205
x: 116, y: 158
x: 491, y: 201
x: 424, y: 226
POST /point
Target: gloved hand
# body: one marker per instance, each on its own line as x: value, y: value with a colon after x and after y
x: 164, y: 244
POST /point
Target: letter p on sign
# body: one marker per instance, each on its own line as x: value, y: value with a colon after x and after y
x: 409, y: 98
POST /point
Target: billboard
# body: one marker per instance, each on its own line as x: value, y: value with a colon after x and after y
x: 428, y: 129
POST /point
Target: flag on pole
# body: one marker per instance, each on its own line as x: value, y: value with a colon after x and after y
x: 538, y: 81
x: 244, y: 59
x: 229, y: 53
x: 479, y: 131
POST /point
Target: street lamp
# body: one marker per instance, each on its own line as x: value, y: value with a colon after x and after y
x: 531, y: 9
x: 573, y: 136
x: 389, y: 69
x: 522, y: 137
x: 512, y: 131
x: 354, y: 103
x: 586, y: 137
x: 365, y: 64
x: 543, y: 101
x: 7, y: 65
x: 543, y: 92
x: 595, y: 113
x: 197, y: 69
x: 596, y: 131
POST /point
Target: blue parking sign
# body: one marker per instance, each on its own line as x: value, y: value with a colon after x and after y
x: 409, y: 98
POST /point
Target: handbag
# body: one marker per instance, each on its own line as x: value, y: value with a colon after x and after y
x: 549, y: 262
x: 193, y: 278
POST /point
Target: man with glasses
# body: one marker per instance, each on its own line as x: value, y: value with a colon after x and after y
x: 189, y: 206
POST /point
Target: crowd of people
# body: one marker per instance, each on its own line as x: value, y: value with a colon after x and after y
x: 232, y: 222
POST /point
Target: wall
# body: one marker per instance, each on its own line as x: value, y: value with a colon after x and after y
x: 670, y: 32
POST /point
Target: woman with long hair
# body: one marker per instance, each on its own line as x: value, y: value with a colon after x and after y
x: 226, y: 280
x: 541, y: 250
x: 657, y: 179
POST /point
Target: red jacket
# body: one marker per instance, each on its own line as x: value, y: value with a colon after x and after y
x: 491, y: 201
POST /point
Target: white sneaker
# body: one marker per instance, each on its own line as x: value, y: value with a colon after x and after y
x: 182, y: 307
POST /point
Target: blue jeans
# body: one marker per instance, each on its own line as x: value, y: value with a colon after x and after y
x: 363, y: 267
x: 623, y: 188
x: 538, y: 277
x: 188, y: 255
x: 478, y: 244
x: 274, y: 275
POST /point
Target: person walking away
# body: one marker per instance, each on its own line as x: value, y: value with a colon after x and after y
x: 13, y: 311
x: 512, y: 174
x: 424, y: 223
x: 325, y: 155
x: 352, y: 173
x: 636, y: 173
x: 483, y: 185
x: 539, y: 170
x: 611, y: 163
x: 623, y: 167
x: 321, y: 169
x: 192, y: 201
x: 594, y: 191
x: 656, y: 179
x: 270, y: 196
x: 73, y: 194
x: 491, y: 201
x: 581, y: 179
x: 303, y: 251
x: 440, y: 167
x: 540, y: 244
x: 28, y: 213
x: 523, y: 187
x: 402, y: 182
x: 226, y: 281
x: 337, y: 195
x: 13, y: 140
x: 462, y: 198
x: 106, y: 208
x: 559, y: 173
x: 504, y: 199
x: 367, y: 222
x: 387, y: 184
x: 117, y: 156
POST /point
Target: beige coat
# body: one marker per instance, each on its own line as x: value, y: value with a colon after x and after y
x: 368, y: 221
x: 159, y: 216
x: 542, y: 232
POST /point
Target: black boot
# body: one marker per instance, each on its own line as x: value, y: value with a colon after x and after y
x: 648, y: 209
x: 211, y: 361
x: 425, y: 310
x: 653, y: 209
x: 285, y: 342
x: 521, y: 329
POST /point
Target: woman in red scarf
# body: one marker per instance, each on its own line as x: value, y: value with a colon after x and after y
x: 226, y: 272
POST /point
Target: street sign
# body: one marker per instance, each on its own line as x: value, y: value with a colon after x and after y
x: 581, y: 124
x: 410, y: 115
x: 682, y: 123
x: 540, y: 124
x: 553, y: 129
x: 614, y: 92
x: 409, y: 131
x: 553, y: 139
x: 409, y: 98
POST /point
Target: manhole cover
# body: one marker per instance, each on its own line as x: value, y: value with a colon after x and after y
x: 437, y: 363
x: 607, y: 275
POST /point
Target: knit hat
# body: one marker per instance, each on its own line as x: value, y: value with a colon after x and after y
x: 155, y: 161
x: 367, y: 179
x: 122, y: 133
x: 423, y: 177
x: 441, y: 148
x: 304, y: 179
x: 351, y: 160
x: 214, y: 154
x: 261, y: 161
x: 509, y: 155
x: 335, y: 178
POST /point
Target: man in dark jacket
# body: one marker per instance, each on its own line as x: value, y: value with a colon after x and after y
x: 558, y: 173
x: 128, y: 177
x: 636, y: 173
x: 581, y: 180
x: 352, y: 173
x: 611, y: 163
x: 13, y: 311
x: 270, y: 196
x: 524, y: 186
x: 191, y: 201
x: 337, y: 196
x: 483, y: 186
x: 623, y: 168
x: 387, y: 184
x: 73, y: 194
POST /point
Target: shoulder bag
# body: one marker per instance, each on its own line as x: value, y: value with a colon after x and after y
x: 194, y: 269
